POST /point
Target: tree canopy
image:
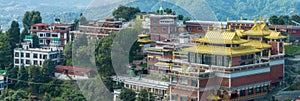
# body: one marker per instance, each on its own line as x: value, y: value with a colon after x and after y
x: 144, y: 95
x: 127, y: 95
x: 31, y: 18
x: 126, y: 13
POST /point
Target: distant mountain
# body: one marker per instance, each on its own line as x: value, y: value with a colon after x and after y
x: 98, y: 9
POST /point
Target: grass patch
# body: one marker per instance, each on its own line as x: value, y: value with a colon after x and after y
x: 295, y: 86
x: 292, y: 50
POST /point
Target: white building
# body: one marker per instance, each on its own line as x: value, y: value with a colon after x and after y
x: 34, y: 56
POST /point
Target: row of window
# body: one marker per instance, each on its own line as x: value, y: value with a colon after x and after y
x: 28, y: 62
x: 209, y: 59
x: 184, y: 81
x: 182, y: 98
x: 48, y: 35
x: 251, y: 91
x: 36, y: 56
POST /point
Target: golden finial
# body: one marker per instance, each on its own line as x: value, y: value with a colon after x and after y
x: 240, y: 26
x: 260, y: 19
x: 214, y: 27
x: 265, y: 21
x: 229, y: 28
x: 221, y: 26
x: 208, y: 28
x: 255, y: 22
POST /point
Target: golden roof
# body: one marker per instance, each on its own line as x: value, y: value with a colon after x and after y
x: 258, y: 30
x: 239, y: 32
x: 144, y: 41
x: 163, y: 64
x: 287, y: 44
x: 219, y: 50
x: 257, y: 44
x: 216, y: 37
x: 275, y: 35
x: 143, y: 35
x: 157, y: 50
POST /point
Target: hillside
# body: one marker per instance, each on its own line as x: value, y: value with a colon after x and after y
x: 97, y: 9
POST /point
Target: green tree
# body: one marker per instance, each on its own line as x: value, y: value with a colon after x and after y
x: 36, y: 41
x: 31, y: 18
x: 295, y: 18
x: 126, y: 13
x: 13, y: 73
x: 68, y: 53
x: 186, y: 19
x: 180, y: 17
x: 273, y: 20
x: 145, y: 96
x: 14, y: 34
x: 6, y: 52
x: 22, y: 77
x: 34, y: 78
x: 168, y: 10
x: 24, y: 33
x: 48, y: 68
x: 82, y: 20
x: 47, y: 97
x: 127, y: 95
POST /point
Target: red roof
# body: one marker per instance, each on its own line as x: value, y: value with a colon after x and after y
x: 40, y: 24
x: 73, y: 68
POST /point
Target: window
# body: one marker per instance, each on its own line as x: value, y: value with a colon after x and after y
x: 183, y: 80
x: 41, y: 62
x: 17, y: 61
x: 22, y: 54
x: 199, y: 58
x: 243, y: 57
x: 35, y: 62
x: 44, y: 56
x: 250, y: 91
x: 41, y: 41
x: 40, y: 56
x: 192, y: 57
x: 250, y: 56
x: 199, y: 28
x: 54, y: 35
x: 35, y: 56
x: 219, y: 61
x: 154, y: 29
x: 265, y: 88
x: 16, y: 54
x: 47, y: 34
x: 257, y: 90
x: 22, y: 61
x: 151, y: 67
x: 174, y: 79
x: 164, y: 29
x: 242, y: 93
x: 183, y: 98
x: 280, y: 44
x: 174, y: 97
x: 194, y: 83
x: 189, y: 29
x: 27, y: 55
x: 27, y: 62
x: 151, y: 59
x: 194, y: 99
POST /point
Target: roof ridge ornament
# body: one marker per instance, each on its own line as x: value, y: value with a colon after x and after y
x: 255, y: 21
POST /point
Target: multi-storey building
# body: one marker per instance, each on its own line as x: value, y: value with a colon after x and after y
x: 162, y: 26
x: 53, y: 35
x: 99, y: 29
x: 34, y: 56
x: 224, y: 66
